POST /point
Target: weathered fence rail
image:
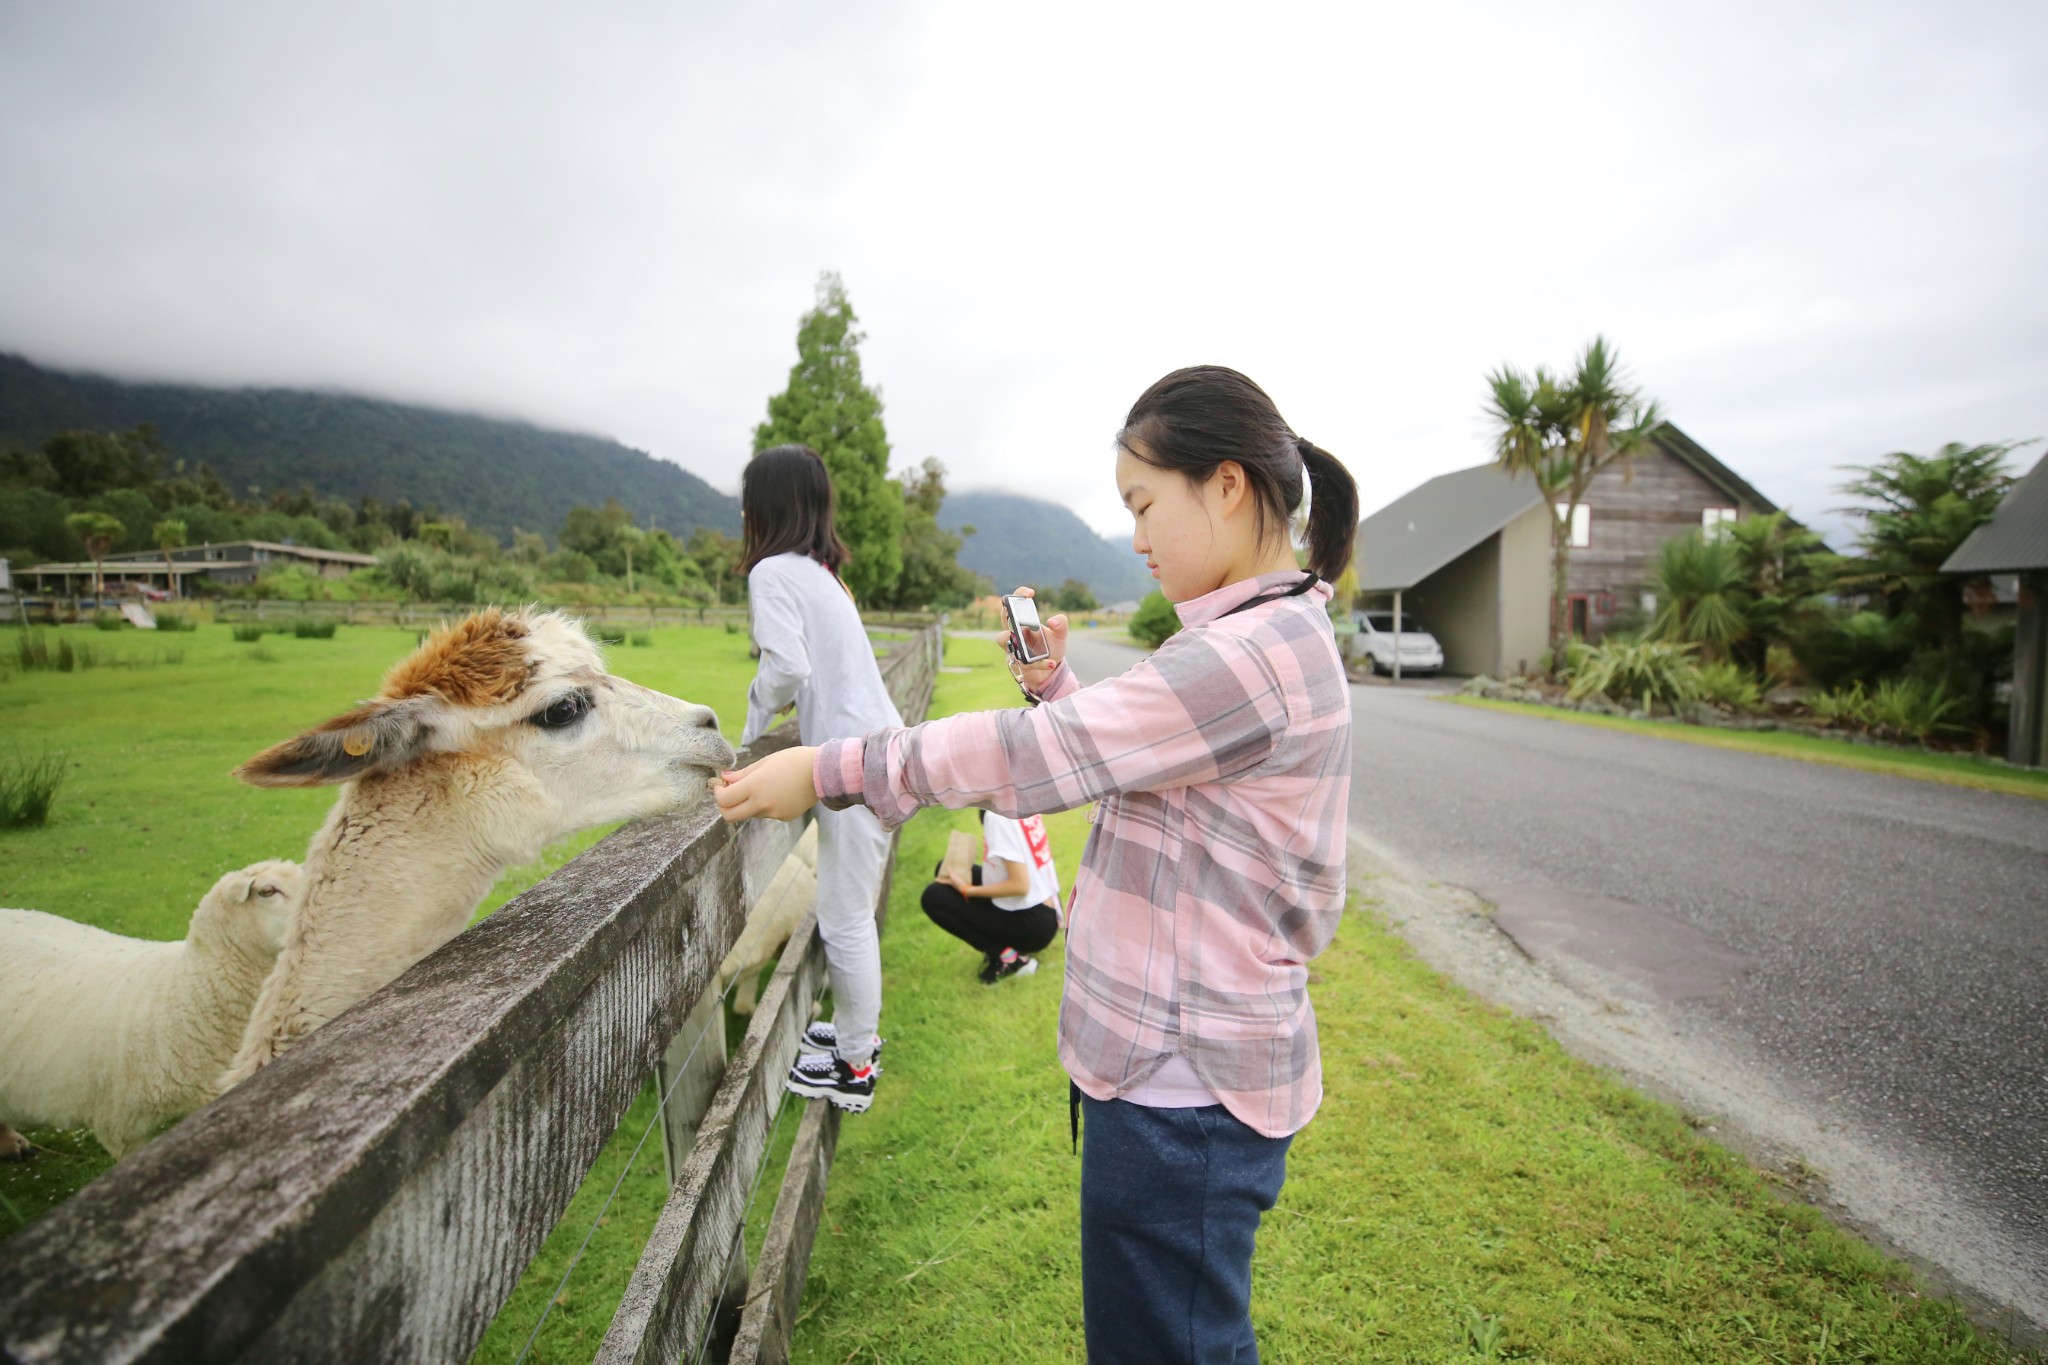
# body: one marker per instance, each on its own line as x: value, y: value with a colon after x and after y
x: 376, y: 1193
x: 39, y: 608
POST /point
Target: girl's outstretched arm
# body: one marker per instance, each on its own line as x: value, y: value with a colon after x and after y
x: 778, y: 787
x: 1204, y: 706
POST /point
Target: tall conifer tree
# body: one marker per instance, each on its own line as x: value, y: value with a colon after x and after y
x: 829, y: 408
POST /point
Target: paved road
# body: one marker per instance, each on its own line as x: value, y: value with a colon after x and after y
x: 1879, y: 945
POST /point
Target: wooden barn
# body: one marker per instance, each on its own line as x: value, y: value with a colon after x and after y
x: 2015, y: 541
x: 1467, y: 555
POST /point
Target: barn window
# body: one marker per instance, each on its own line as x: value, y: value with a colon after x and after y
x: 1712, y: 519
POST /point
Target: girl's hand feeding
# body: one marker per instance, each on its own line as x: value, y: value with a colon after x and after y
x: 779, y: 787
x: 1034, y: 676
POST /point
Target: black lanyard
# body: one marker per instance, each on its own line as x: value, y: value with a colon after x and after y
x: 1308, y: 580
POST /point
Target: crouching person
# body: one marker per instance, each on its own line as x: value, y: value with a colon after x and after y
x: 1008, y: 906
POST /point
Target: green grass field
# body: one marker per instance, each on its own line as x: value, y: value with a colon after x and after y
x: 1468, y: 1192
x: 1955, y: 770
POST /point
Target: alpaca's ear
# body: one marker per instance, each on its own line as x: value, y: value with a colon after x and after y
x: 377, y: 736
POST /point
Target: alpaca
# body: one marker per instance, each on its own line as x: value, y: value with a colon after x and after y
x: 120, y: 1034
x: 497, y: 735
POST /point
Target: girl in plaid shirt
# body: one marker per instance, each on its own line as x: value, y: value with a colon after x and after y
x: 1216, y: 869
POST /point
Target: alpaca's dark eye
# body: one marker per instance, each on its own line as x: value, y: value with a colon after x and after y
x: 567, y: 711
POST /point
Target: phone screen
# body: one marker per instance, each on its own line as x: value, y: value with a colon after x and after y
x: 1030, y: 634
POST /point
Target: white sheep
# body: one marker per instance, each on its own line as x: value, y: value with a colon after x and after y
x: 771, y: 920
x: 120, y: 1034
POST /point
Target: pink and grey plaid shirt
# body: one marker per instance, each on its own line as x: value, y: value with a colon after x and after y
x: 1215, y: 870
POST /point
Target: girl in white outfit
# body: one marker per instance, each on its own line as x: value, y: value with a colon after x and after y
x: 815, y: 653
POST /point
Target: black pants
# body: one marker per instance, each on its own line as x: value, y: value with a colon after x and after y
x: 984, y: 925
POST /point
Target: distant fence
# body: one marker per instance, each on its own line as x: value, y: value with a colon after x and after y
x: 52, y: 609
x: 376, y: 1193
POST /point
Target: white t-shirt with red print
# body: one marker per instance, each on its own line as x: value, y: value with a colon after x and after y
x: 1023, y: 842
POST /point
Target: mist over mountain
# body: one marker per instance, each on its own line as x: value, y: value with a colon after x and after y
x: 1020, y: 540
x: 495, y: 474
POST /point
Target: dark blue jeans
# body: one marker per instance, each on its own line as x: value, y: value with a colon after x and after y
x: 1170, y: 1205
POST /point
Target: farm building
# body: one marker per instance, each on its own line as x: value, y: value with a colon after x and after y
x: 1467, y: 554
x: 232, y: 562
x: 2015, y: 541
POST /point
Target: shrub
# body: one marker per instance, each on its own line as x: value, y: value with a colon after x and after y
x: 1155, y: 621
x: 108, y: 620
x: 732, y: 627
x: 640, y: 639
x: 1909, y: 708
x: 28, y: 788
x: 1846, y: 706
x: 174, y: 622
x: 313, y: 630
x: 262, y: 654
x: 1643, y: 671
x: 1729, y: 684
x: 605, y: 635
x: 249, y: 632
x: 32, y: 652
x: 1575, y: 653
x: 1862, y: 648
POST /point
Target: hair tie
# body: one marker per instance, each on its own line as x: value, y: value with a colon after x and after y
x: 1297, y: 521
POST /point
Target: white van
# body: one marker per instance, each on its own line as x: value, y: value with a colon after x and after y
x: 1420, y: 653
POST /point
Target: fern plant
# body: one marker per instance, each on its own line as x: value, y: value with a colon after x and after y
x: 1643, y: 671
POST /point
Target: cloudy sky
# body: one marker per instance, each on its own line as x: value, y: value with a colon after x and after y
x: 1816, y: 232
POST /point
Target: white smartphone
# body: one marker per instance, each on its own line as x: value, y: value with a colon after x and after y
x: 1028, y: 636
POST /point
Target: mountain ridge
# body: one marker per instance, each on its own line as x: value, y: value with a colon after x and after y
x: 497, y: 473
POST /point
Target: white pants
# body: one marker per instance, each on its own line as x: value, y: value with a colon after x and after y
x: 853, y: 849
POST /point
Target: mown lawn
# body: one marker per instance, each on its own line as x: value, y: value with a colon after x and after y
x: 1955, y: 770
x: 1468, y: 1192
x: 149, y: 817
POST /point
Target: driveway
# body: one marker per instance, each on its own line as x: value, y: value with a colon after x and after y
x: 1874, y: 949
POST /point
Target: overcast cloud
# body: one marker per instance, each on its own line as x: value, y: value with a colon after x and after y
x: 1815, y: 232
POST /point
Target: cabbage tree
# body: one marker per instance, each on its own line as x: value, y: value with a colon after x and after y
x: 1563, y: 431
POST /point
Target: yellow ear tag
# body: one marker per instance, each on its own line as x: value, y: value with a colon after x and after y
x: 356, y: 743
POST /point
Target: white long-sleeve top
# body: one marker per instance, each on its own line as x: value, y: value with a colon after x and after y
x: 814, y: 652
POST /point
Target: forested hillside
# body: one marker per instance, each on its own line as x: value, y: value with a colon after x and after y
x: 496, y: 475
x: 1023, y: 540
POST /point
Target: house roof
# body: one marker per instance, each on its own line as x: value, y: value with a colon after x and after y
x: 274, y: 547
x: 2016, y: 537
x: 1418, y: 533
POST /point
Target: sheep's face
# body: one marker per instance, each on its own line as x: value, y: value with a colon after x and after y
x: 251, y: 909
x: 531, y: 689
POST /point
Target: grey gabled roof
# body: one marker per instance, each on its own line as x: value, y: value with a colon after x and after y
x: 2016, y: 537
x: 1418, y: 533
x: 1415, y: 535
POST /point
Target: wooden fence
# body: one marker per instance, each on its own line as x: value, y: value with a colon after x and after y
x: 376, y: 1193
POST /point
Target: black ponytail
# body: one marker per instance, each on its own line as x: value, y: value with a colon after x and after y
x: 1194, y: 419
x: 1332, y: 513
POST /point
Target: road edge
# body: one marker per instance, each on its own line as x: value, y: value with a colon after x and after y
x: 1604, y: 1021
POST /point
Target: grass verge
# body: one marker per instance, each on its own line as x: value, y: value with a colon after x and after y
x: 1954, y: 770
x: 1468, y: 1192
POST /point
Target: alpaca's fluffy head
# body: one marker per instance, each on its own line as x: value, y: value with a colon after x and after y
x: 250, y: 910
x: 528, y: 688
